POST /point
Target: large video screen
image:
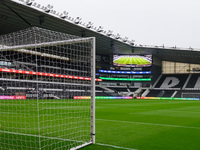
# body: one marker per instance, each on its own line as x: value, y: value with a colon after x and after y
x: 132, y: 60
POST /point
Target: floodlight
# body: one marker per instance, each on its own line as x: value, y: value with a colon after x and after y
x: 132, y: 42
x: 29, y: 2
x: 64, y: 15
x: 100, y: 29
x: 54, y: 12
x: 48, y: 8
x: 77, y: 20
x: 89, y: 25
x: 117, y: 36
x: 58, y: 14
x: 34, y: 4
x: 109, y: 33
x: 38, y: 6
x: 125, y: 39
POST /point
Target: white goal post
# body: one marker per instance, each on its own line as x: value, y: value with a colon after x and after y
x: 41, y: 71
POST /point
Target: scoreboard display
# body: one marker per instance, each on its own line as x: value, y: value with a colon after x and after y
x: 132, y: 60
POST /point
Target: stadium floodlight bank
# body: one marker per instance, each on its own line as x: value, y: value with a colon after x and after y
x: 41, y: 71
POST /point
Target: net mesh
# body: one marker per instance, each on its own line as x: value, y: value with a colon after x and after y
x: 40, y: 73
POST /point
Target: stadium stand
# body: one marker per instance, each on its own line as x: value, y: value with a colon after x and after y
x: 27, y: 63
x: 194, y: 81
x: 30, y: 86
x: 132, y: 89
x: 48, y: 87
x: 168, y: 93
x: 172, y: 81
x: 153, y: 93
x: 188, y: 94
x: 160, y: 93
x: 119, y: 89
x: 177, y: 85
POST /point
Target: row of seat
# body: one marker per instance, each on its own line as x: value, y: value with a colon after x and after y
x: 179, y: 81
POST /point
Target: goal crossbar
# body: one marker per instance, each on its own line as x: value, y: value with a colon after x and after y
x: 45, y: 44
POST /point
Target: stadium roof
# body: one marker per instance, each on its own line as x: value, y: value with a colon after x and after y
x: 41, y: 17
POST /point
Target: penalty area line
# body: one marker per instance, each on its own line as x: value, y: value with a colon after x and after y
x: 32, y: 135
x: 114, y: 146
x: 153, y: 124
x: 57, y: 138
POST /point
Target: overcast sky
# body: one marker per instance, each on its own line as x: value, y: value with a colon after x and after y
x: 148, y: 22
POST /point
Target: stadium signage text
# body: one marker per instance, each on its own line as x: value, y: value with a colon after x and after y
x: 12, y: 97
x: 168, y: 98
x: 104, y: 97
x: 125, y: 72
x: 126, y: 79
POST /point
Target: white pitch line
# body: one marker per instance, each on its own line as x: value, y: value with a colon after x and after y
x: 178, y: 111
x: 153, y: 124
x: 32, y: 135
x: 56, y: 138
x: 114, y: 146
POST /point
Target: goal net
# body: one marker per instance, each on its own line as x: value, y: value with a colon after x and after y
x: 40, y: 73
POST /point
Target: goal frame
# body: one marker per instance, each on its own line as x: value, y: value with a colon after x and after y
x: 93, y: 74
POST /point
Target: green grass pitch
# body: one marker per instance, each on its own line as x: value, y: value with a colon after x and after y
x: 120, y: 124
x: 132, y: 60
